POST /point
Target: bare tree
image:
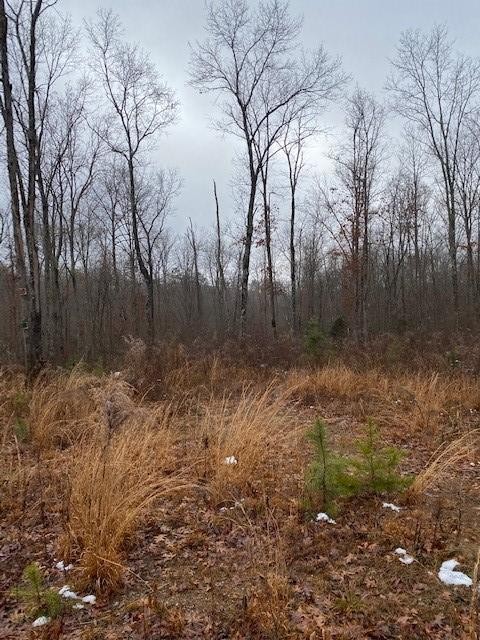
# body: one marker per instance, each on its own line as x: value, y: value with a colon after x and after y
x: 155, y: 198
x: 436, y: 89
x: 293, y: 144
x: 249, y: 59
x: 220, y: 282
x: 468, y: 198
x: 351, y: 205
x: 19, y: 106
x: 141, y: 107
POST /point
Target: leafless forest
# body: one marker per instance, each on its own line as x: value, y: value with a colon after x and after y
x: 384, y: 242
x: 262, y: 424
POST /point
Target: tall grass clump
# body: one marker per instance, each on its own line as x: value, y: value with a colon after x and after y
x: 115, y: 479
x: 239, y: 436
x: 60, y: 407
x: 337, y: 380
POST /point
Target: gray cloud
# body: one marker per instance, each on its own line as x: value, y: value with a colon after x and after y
x: 364, y: 34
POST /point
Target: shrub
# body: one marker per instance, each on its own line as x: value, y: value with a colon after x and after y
x: 339, y: 328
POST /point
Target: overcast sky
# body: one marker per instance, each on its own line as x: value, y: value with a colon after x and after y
x: 364, y: 33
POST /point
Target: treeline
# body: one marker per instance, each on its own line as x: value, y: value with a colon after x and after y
x: 388, y: 240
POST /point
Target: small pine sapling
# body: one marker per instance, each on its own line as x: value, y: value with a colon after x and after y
x: 39, y: 599
x: 376, y: 466
x: 315, y: 341
x: 329, y: 475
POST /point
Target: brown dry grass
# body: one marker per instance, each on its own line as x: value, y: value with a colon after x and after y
x: 336, y: 381
x: 250, y: 430
x: 411, y: 401
x: 443, y: 461
x: 115, y: 456
x: 60, y: 408
x: 114, y: 482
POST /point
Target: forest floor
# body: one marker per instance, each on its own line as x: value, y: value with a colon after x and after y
x: 183, y: 511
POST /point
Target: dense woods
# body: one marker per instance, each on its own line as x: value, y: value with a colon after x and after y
x: 385, y: 240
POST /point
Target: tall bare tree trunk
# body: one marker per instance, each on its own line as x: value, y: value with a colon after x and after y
x: 146, y: 275
x: 221, y: 286
x: 23, y: 205
x: 246, y: 254
x: 268, y: 247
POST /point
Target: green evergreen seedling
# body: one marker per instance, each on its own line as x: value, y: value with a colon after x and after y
x: 39, y: 599
x: 330, y: 474
x: 373, y: 470
x: 376, y: 466
x: 315, y: 341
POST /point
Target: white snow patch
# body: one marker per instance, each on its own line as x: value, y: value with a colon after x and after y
x: 230, y: 460
x: 41, y: 621
x: 455, y: 578
x: 66, y: 592
x: 79, y: 606
x: 405, y: 558
x: 324, y: 517
x: 90, y: 599
x: 61, y: 566
x: 389, y: 505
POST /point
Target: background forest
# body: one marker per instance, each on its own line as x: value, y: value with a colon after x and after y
x: 92, y: 248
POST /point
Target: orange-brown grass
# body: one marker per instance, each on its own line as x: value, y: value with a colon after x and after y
x: 13, y: 401
x: 252, y: 429
x: 337, y: 381
x: 443, y: 462
x: 432, y: 394
x: 115, y: 479
x: 211, y: 375
x: 60, y: 408
x: 267, y: 601
x: 408, y: 400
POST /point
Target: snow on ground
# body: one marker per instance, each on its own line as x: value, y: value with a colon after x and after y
x: 404, y: 557
x: 90, y: 599
x: 454, y: 578
x: 41, y: 621
x: 389, y: 505
x: 324, y: 517
x: 66, y: 592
